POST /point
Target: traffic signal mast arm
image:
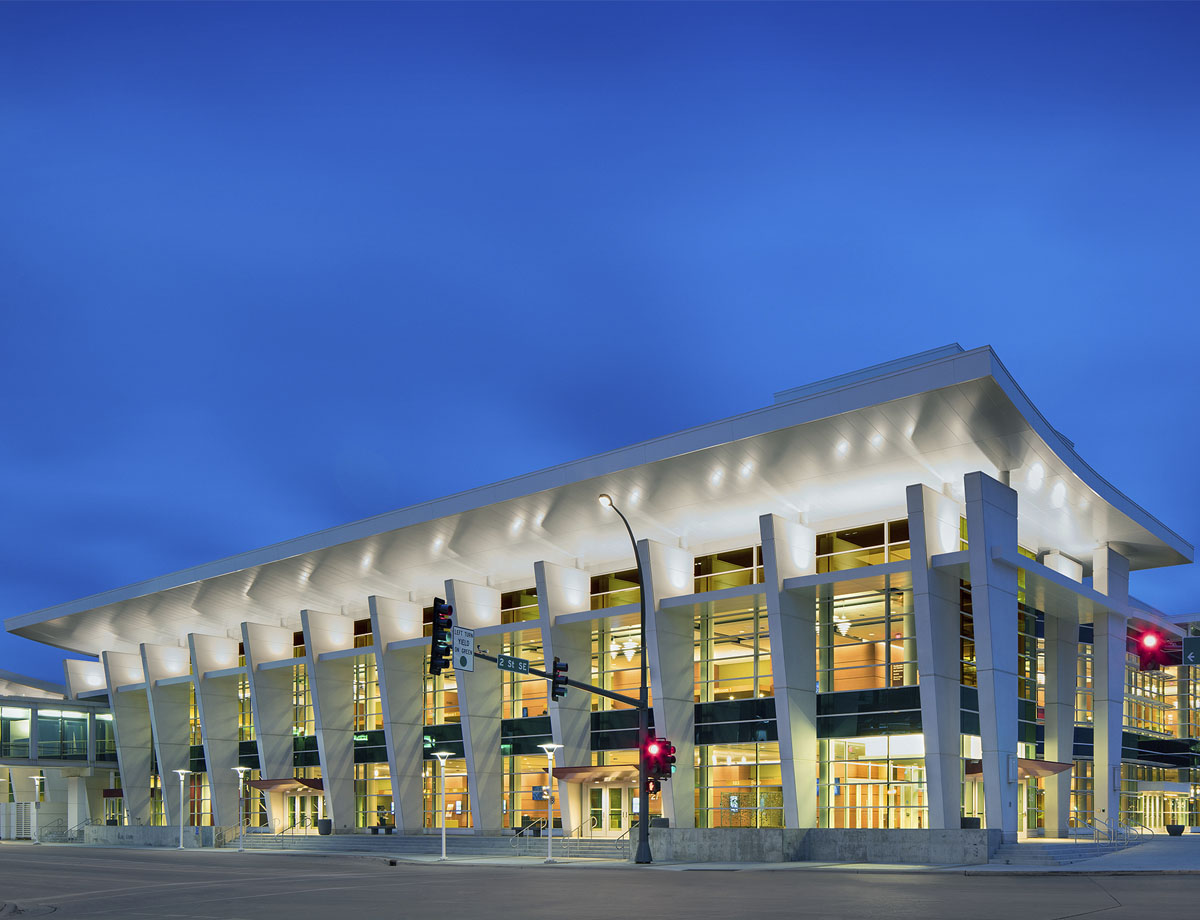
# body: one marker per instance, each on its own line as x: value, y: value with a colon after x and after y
x: 619, y: 697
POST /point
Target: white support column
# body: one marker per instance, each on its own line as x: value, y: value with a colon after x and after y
x: 82, y: 676
x: 217, y: 704
x: 992, y: 524
x: 789, y: 550
x: 479, y: 708
x: 271, y: 703
x: 933, y: 529
x: 1110, y: 576
x: 332, y: 685
x: 562, y: 591
x: 670, y: 572
x: 401, y: 688
x: 131, y: 727
x: 170, y: 715
x: 1062, y: 654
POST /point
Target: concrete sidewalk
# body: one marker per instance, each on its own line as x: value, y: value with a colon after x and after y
x: 1160, y: 855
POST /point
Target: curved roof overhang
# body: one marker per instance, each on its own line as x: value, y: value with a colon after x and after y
x: 832, y: 452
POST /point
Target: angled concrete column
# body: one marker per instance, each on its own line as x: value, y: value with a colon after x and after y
x: 561, y: 591
x: 1110, y: 576
x: 131, y: 727
x: 1062, y: 654
x: 401, y: 688
x: 992, y: 523
x: 170, y: 714
x: 332, y: 684
x: 670, y: 572
x: 789, y: 550
x: 217, y: 705
x: 271, y: 703
x: 82, y: 676
x: 932, y: 530
x: 479, y: 707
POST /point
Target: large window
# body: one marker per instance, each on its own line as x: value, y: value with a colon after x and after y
x: 733, y: 568
x: 14, y: 732
x: 456, y: 810
x: 519, y: 606
x: 62, y: 734
x: 373, y: 795
x: 523, y: 695
x: 732, y: 651
x: 616, y: 659
x: 876, y: 782
x: 870, y: 544
x: 738, y: 785
x: 368, y: 710
x: 521, y: 774
x: 866, y: 639
x: 615, y: 589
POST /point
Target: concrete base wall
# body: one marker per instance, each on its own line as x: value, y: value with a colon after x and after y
x: 142, y: 836
x: 927, y: 847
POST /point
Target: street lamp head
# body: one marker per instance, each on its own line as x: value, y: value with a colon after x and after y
x: 605, y: 499
x: 441, y: 756
x: 183, y: 773
x: 241, y: 771
x: 549, y: 748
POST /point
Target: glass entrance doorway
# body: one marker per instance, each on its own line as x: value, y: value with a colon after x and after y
x: 612, y: 810
x: 302, y: 812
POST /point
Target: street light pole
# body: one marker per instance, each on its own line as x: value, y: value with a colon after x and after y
x: 182, y: 774
x: 37, y: 795
x: 441, y: 756
x: 550, y: 749
x: 642, y: 855
x: 241, y: 772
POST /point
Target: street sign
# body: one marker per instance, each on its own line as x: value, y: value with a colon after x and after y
x: 463, y: 648
x: 509, y: 663
x: 1191, y: 650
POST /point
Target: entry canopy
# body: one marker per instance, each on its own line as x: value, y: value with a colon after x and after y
x: 287, y: 785
x: 1025, y: 769
x: 614, y: 774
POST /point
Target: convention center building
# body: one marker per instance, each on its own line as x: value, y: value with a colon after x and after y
x: 892, y: 599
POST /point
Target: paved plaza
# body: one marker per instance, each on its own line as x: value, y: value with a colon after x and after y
x: 68, y: 881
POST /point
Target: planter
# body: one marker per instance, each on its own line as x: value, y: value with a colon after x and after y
x: 1175, y: 830
x: 324, y: 826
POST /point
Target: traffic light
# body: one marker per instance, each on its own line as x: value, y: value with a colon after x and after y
x: 1153, y: 650
x: 558, y: 681
x: 654, y: 755
x: 439, y: 649
x: 667, y: 758
x: 652, y: 785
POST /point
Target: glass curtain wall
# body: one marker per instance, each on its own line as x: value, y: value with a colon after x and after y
x: 738, y: 785
x: 872, y: 782
x: 866, y: 639
x: 456, y: 811
x: 732, y: 651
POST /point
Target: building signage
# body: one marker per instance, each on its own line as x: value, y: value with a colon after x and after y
x: 463, y: 648
x: 509, y: 663
x: 1191, y: 650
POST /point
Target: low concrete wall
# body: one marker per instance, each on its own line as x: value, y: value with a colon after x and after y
x: 743, y: 844
x: 141, y: 836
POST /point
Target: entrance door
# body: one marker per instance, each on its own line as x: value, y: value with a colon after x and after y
x: 612, y: 810
x: 303, y: 811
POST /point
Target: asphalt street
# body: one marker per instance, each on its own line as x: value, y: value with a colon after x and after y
x: 203, y: 885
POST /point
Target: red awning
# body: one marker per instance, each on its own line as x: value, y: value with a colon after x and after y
x: 1025, y: 769
x: 287, y: 784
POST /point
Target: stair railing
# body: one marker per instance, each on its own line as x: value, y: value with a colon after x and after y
x: 576, y: 833
x: 521, y: 839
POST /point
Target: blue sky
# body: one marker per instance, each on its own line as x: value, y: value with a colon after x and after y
x: 269, y: 268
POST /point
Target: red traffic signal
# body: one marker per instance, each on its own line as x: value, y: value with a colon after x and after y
x: 1154, y: 651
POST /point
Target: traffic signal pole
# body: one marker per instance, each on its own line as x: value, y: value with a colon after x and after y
x: 642, y: 855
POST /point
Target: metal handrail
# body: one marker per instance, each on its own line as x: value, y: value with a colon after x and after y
x: 520, y: 836
x: 576, y: 833
x: 622, y: 842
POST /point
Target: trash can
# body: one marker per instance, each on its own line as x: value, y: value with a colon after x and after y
x: 324, y: 826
